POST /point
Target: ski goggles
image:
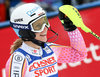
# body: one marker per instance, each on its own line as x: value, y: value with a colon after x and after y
x: 35, y: 26
x: 40, y: 24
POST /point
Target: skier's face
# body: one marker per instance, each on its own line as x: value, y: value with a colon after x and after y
x: 42, y: 36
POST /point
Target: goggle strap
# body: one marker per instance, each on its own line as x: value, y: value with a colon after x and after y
x: 20, y: 26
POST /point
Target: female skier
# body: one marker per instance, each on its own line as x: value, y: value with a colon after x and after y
x: 31, y: 54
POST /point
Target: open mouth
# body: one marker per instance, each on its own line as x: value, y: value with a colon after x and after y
x: 44, y: 35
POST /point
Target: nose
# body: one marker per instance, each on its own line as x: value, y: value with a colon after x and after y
x: 45, y: 29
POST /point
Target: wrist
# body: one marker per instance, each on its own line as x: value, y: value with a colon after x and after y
x: 71, y: 28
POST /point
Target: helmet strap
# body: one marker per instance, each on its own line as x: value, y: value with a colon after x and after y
x: 28, y: 35
x: 37, y: 42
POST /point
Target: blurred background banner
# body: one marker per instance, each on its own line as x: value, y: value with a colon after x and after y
x: 90, y: 12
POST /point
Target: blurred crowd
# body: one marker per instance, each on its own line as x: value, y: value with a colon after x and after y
x: 7, y: 6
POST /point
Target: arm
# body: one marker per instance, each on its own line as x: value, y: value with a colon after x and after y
x: 77, y: 49
x: 73, y: 53
x: 16, y: 65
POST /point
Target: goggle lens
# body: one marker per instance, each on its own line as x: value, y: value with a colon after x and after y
x: 39, y: 25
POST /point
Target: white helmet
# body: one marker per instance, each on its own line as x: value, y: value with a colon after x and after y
x: 23, y: 17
